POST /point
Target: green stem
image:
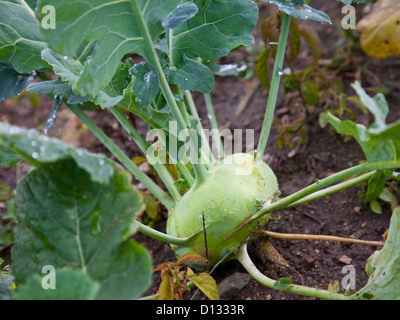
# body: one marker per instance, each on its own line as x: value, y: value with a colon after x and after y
x: 321, y: 184
x: 151, y: 55
x: 191, y: 105
x: 211, y: 111
x: 160, y: 168
x: 160, y: 235
x: 181, y: 105
x: 274, y: 88
x: 129, y: 128
x: 165, y: 199
x: 331, y: 190
x: 167, y: 179
x: 245, y: 260
x: 207, y: 153
x: 214, y: 125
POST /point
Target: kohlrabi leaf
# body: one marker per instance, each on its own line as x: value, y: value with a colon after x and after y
x: 67, y: 220
x: 37, y: 149
x: 70, y: 71
x: 375, y: 186
x: 193, y: 75
x: 158, y: 119
x: 300, y: 9
x: 69, y: 284
x: 20, y: 38
x: 183, y: 12
x: 218, y: 27
x: 118, y: 27
x: 50, y: 88
x: 381, y: 141
x: 145, y: 84
x: 383, y: 267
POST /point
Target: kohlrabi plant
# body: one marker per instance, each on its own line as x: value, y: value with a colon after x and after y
x: 76, y: 210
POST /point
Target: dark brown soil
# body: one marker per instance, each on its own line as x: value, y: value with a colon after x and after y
x: 311, y: 263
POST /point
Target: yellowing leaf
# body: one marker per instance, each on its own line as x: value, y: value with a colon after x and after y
x: 205, y: 283
x: 165, y: 291
x: 380, y: 30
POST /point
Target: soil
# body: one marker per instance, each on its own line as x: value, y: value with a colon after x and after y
x: 345, y: 214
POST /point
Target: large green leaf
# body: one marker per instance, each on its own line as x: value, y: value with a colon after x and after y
x: 300, y: 9
x: 383, y: 267
x: 145, y: 85
x: 192, y: 75
x: 37, y: 149
x: 20, y: 39
x: 217, y: 28
x: 70, y: 284
x: 201, y: 29
x: 117, y: 28
x: 69, y: 221
x: 381, y: 141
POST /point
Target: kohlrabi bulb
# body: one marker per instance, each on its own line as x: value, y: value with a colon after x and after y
x: 236, y: 188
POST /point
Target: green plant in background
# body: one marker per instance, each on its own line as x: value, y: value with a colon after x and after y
x: 76, y: 210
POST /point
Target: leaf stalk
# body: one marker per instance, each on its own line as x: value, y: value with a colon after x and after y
x: 245, y: 260
x: 274, y: 88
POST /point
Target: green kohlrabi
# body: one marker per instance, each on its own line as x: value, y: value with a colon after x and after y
x: 217, y: 214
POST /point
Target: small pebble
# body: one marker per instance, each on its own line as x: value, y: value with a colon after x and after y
x: 345, y: 259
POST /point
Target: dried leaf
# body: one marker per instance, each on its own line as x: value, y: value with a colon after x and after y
x: 380, y: 30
